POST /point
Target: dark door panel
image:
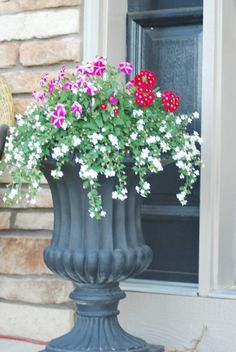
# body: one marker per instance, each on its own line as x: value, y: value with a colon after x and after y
x: 166, y: 37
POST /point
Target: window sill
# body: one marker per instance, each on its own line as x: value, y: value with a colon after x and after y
x: 160, y: 287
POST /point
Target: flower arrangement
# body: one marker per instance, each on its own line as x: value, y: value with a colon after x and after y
x: 91, y: 114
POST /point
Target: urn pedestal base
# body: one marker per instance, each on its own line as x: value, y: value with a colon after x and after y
x: 97, y: 328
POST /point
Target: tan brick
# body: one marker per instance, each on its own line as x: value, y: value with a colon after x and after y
x: 23, y: 82
x: 8, y: 54
x: 41, y: 323
x: 21, y: 104
x: 39, y: 24
x: 22, y: 256
x: 43, y: 200
x: 35, y: 53
x: 14, y: 6
x: 42, y: 290
x: 34, y: 220
x: 5, y: 219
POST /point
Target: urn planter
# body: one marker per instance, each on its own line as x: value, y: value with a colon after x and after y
x: 96, y: 255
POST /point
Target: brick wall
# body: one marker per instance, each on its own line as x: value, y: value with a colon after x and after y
x: 36, y: 36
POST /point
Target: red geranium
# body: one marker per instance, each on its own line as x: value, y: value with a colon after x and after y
x: 170, y: 101
x: 145, y: 79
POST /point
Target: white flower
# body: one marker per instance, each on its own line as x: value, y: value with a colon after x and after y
x: 164, y: 147
x: 114, y: 195
x: 181, y: 197
x: 157, y: 164
x: 76, y: 141
x: 95, y: 137
x: 138, y: 112
x: 178, y: 120
x: 91, y: 214
x: 109, y: 173
x: 158, y: 94
x: 151, y: 139
x: 113, y: 139
x: 103, y: 213
x: 196, y: 115
x: 168, y: 135
x: 13, y: 193
x: 64, y: 148
x: 133, y: 135
x: 162, y: 129
x: 144, y: 153
x: 103, y: 148
x: 146, y: 186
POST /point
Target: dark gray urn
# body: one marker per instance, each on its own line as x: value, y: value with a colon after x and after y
x: 95, y: 255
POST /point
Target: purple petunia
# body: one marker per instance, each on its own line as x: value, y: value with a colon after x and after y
x: 77, y: 109
x: 126, y: 67
x: 58, y: 115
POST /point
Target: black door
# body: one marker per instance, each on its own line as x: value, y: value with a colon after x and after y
x: 165, y: 36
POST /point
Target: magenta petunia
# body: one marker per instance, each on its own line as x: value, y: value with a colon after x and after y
x: 43, y: 79
x: 86, y: 70
x: 90, y: 89
x: 39, y: 95
x: 113, y: 100
x: 77, y: 109
x: 126, y: 67
x: 80, y: 81
x: 62, y: 72
x: 51, y: 86
x: 58, y: 115
x: 99, y: 68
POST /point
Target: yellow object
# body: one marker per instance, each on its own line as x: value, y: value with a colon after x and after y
x: 7, y: 113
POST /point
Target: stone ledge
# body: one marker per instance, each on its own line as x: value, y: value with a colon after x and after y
x: 42, y: 290
x: 8, y: 54
x: 42, y: 323
x: 23, y: 256
x: 35, y: 53
x: 14, y: 6
x: 40, y: 24
x: 33, y: 220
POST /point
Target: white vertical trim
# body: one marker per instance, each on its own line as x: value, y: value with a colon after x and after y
x: 91, y: 33
x: 104, y: 29
x: 211, y: 127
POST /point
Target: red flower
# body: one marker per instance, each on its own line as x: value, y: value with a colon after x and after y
x: 115, y: 111
x: 144, y: 99
x: 145, y: 79
x: 170, y: 101
x: 103, y: 106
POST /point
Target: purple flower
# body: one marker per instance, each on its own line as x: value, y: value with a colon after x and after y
x: 113, y: 100
x: 66, y: 85
x: 38, y: 95
x: 90, y: 89
x: 99, y: 68
x: 77, y: 109
x: 126, y: 67
x: 80, y: 81
x: 58, y: 115
x: 51, y: 86
x: 86, y: 70
x: 43, y: 79
x: 62, y: 72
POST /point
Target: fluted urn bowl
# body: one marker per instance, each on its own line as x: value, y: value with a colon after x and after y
x: 96, y: 255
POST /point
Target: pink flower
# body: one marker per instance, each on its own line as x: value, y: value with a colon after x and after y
x: 90, y: 89
x: 86, y: 70
x: 113, y: 100
x: 130, y: 84
x: 74, y: 87
x: 126, y: 67
x: 66, y: 85
x: 43, y: 79
x: 77, y: 109
x: 62, y: 72
x: 38, y: 95
x: 80, y: 81
x: 58, y: 115
x: 51, y: 86
x: 99, y: 68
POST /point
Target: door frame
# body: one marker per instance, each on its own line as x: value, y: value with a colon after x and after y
x: 217, y: 257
